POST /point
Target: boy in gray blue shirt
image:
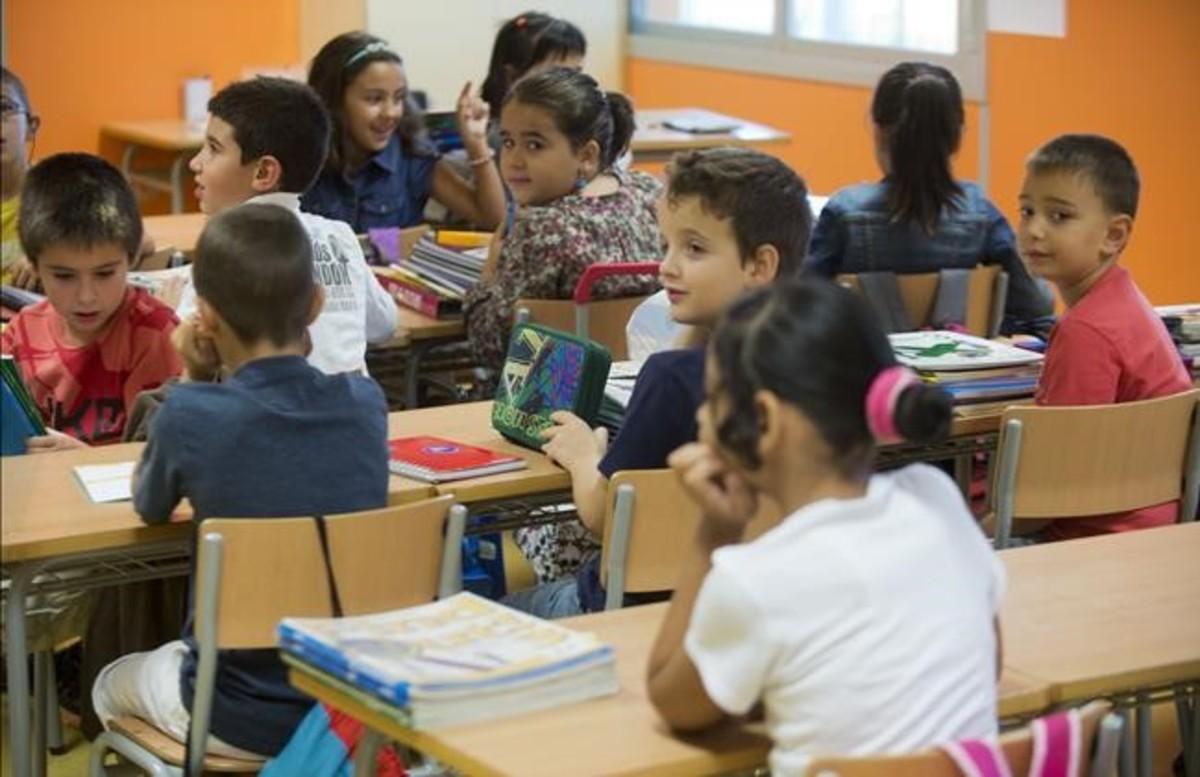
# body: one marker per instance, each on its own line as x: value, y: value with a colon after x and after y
x: 277, y: 438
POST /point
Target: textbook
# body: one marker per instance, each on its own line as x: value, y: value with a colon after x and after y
x: 411, y: 292
x: 547, y: 370
x: 946, y: 351
x: 461, y: 659
x: 437, y: 460
x: 20, y: 417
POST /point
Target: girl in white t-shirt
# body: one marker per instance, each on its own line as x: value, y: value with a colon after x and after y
x: 865, y: 621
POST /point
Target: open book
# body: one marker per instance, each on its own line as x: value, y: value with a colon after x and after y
x: 943, y: 350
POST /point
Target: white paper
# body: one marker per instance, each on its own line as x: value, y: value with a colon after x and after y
x: 107, y: 482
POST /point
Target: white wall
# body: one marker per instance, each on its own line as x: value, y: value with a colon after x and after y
x: 447, y: 42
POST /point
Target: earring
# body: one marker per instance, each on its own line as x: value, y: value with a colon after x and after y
x: 580, y: 182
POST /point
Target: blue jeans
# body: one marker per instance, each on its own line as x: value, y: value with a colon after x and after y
x: 559, y: 599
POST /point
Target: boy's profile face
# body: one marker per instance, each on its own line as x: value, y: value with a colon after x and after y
x: 1065, y: 233
x: 86, y: 286
x: 222, y: 181
x: 702, y: 271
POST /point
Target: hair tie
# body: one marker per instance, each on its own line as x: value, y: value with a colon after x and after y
x: 371, y: 48
x: 882, y: 397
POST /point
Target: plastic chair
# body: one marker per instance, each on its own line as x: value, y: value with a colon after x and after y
x: 1061, y: 462
x: 234, y: 610
x: 600, y: 320
x: 1101, y: 734
x: 987, y: 294
x: 649, y: 523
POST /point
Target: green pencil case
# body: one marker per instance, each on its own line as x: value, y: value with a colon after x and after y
x: 547, y: 370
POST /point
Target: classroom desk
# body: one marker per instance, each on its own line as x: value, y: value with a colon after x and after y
x: 172, y: 136
x: 53, y: 532
x: 619, y: 734
x: 179, y: 231
x: 416, y: 334
x: 653, y: 142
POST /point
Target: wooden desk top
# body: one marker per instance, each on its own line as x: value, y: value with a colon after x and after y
x: 180, y: 230
x: 47, y: 513
x: 1105, y: 614
x: 620, y: 734
x: 412, y: 326
x: 472, y: 423
x: 651, y: 136
x: 164, y: 135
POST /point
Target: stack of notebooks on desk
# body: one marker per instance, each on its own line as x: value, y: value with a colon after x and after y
x: 435, y: 277
x: 458, y: 660
x: 1183, y: 324
x: 20, y: 417
x: 970, y: 369
x: 438, y: 460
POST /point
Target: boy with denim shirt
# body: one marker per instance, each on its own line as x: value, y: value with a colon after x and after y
x: 277, y: 438
x: 266, y: 142
x: 1077, y: 204
x: 733, y: 219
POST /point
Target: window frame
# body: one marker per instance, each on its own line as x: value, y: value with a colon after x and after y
x: 778, y: 53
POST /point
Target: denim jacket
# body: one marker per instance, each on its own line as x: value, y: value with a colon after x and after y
x: 855, y: 233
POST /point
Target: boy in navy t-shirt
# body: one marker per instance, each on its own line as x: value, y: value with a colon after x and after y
x: 277, y: 438
x: 733, y: 219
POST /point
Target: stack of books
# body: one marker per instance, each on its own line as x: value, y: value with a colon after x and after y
x: 438, y: 460
x: 435, y: 276
x: 970, y: 369
x: 459, y: 660
x: 20, y: 417
x: 1183, y: 324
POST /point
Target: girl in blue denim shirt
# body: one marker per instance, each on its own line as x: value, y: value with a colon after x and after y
x: 919, y: 218
x: 381, y: 169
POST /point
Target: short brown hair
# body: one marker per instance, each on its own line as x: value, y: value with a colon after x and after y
x: 254, y: 265
x: 764, y: 198
x: 1103, y: 161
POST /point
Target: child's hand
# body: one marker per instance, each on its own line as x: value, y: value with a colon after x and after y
x: 199, y: 355
x: 727, y: 501
x: 53, y: 440
x: 472, y: 120
x: 571, y: 443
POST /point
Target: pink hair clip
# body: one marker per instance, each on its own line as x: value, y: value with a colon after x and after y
x: 882, y: 397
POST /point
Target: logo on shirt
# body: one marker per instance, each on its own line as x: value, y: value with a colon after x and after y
x: 332, y: 270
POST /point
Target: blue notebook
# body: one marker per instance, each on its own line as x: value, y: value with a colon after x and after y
x: 15, y: 424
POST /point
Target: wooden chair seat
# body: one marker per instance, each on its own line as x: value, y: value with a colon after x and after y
x: 172, y: 752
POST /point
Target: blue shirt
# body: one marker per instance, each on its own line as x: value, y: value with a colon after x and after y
x: 390, y: 190
x: 661, y: 417
x: 279, y: 438
x: 856, y: 233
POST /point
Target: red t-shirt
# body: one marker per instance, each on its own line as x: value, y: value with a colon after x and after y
x: 1111, y: 347
x: 85, y: 391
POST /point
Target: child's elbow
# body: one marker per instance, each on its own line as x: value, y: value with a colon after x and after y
x: 682, y: 715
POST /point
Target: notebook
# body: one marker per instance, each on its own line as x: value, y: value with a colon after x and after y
x: 21, y: 419
x: 107, y: 482
x: 438, y: 460
x: 547, y: 370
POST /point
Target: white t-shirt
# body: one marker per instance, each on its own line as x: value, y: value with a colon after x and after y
x: 864, y: 625
x: 357, y: 309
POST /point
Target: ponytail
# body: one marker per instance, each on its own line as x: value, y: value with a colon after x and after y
x: 623, y: 125
x: 918, y: 107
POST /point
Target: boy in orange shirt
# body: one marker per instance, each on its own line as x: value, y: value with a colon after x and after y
x: 88, y: 349
x: 1078, y: 202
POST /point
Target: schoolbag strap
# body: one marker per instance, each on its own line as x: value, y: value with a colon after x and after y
x: 950, y: 303
x: 978, y: 758
x: 1057, y: 745
x: 883, y: 293
x: 335, y: 600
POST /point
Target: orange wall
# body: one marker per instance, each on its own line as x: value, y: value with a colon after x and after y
x: 86, y: 62
x: 1128, y: 70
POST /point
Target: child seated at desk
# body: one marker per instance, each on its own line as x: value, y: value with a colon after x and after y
x: 265, y: 142
x: 865, y: 621
x: 1078, y: 203
x: 222, y: 446
x: 733, y: 219
x: 560, y: 135
x: 918, y: 218
x: 20, y: 126
x: 94, y: 343
x: 381, y: 169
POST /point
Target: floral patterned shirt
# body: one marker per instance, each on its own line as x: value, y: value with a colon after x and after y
x: 548, y: 248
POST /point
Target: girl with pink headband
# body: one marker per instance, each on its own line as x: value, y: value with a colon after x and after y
x: 865, y: 621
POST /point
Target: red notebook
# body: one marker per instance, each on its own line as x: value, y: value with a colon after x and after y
x: 437, y: 460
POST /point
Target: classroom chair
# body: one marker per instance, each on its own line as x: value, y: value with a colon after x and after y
x: 1101, y: 732
x: 1061, y: 462
x: 906, y: 302
x: 234, y: 610
x: 649, y: 523
x: 600, y: 320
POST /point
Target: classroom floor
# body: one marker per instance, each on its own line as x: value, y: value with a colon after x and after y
x: 74, y: 763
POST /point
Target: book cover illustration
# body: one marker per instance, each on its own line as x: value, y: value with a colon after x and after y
x: 942, y: 350
x: 542, y: 374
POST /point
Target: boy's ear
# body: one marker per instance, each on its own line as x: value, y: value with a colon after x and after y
x: 207, y: 320
x: 317, y: 304
x: 1116, y: 234
x: 268, y: 174
x: 32, y: 123
x: 763, y: 265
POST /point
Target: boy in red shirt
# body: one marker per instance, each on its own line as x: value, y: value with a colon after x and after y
x: 1078, y: 202
x: 88, y: 349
